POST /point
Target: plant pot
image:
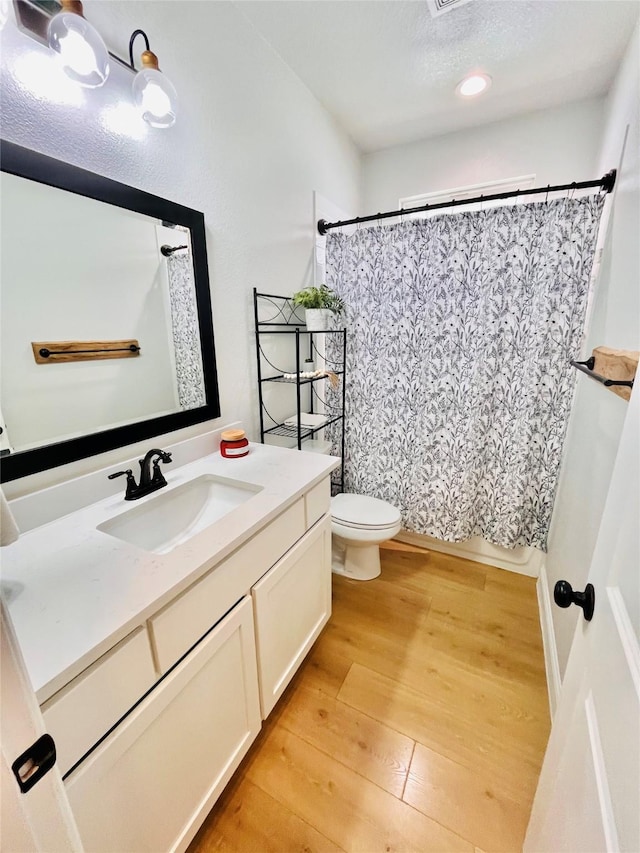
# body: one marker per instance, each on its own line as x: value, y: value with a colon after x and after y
x: 318, y: 319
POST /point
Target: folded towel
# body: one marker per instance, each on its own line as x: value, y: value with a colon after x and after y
x: 307, y: 419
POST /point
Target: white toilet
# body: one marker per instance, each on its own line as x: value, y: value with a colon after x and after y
x: 359, y: 524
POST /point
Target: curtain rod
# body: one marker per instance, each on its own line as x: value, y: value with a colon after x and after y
x: 607, y: 183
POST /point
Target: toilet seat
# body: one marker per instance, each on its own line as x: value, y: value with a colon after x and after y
x: 361, y: 512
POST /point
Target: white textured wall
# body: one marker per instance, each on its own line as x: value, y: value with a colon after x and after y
x: 557, y: 145
x: 250, y: 146
x: 597, y: 416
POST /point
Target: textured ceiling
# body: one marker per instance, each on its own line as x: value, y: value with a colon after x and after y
x: 387, y: 70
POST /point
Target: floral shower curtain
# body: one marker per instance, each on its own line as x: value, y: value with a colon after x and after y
x: 459, y: 387
x: 185, y: 331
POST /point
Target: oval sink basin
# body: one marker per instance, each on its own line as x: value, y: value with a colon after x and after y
x: 172, y: 517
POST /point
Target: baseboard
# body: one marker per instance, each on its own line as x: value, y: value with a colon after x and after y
x: 523, y: 561
x: 552, y: 666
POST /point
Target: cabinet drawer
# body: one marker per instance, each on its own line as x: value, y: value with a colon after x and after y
x: 152, y: 782
x: 79, y: 714
x: 182, y: 622
x: 291, y: 605
x: 317, y: 501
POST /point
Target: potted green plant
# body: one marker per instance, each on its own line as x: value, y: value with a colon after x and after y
x: 320, y: 304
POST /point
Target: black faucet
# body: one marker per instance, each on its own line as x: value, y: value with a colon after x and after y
x: 149, y: 481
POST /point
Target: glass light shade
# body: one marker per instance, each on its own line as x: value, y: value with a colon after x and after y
x: 155, y: 97
x: 80, y: 49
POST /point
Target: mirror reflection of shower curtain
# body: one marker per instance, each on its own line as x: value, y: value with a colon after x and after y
x: 460, y: 332
x: 184, y: 327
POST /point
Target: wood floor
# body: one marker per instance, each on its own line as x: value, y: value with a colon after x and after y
x: 417, y: 723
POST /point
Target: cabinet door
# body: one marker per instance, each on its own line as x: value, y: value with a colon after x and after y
x: 150, y: 785
x: 292, y: 603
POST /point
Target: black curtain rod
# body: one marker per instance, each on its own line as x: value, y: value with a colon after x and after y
x: 606, y: 183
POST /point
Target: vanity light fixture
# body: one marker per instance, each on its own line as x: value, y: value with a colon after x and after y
x: 473, y: 85
x: 84, y: 58
x: 81, y: 51
x: 153, y: 93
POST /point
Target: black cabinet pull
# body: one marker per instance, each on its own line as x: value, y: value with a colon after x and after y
x: 34, y: 763
x: 564, y: 596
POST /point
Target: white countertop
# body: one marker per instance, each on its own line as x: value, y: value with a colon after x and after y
x: 73, y: 591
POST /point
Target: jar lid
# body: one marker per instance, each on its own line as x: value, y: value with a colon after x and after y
x: 232, y: 435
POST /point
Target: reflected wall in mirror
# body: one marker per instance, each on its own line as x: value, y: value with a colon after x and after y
x: 86, y: 259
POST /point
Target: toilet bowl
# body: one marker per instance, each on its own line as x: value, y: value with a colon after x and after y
x: 359, y: 524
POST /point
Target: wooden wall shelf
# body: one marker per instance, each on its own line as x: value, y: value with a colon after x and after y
x: 614, y: 368
x: 52, y: 352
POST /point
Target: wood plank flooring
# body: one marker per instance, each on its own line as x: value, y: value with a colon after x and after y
x: 417, y: 723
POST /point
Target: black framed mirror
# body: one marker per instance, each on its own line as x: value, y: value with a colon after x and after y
x: 107, y: 330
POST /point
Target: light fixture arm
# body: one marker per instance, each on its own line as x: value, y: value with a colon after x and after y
x: 134, y: 35
x: 153, y: 93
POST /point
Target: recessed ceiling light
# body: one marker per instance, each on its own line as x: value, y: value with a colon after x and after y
x: 474, y: 84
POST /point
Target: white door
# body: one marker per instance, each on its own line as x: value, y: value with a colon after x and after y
x: 40, y: 819
x: 588, y: 796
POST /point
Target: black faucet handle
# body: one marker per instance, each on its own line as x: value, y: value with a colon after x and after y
x: 128, y: 473
x: 165, y: 456
x: 132, y: 486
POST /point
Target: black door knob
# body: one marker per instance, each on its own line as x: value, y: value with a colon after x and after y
x: 564, y: 596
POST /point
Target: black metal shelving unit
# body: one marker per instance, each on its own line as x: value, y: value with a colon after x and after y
x: 277, y: 316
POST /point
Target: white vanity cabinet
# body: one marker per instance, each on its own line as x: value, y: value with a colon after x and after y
x: 150, y: 784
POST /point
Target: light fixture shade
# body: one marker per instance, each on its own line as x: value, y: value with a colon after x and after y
x: 80, y: 48
x: 155, y: 97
